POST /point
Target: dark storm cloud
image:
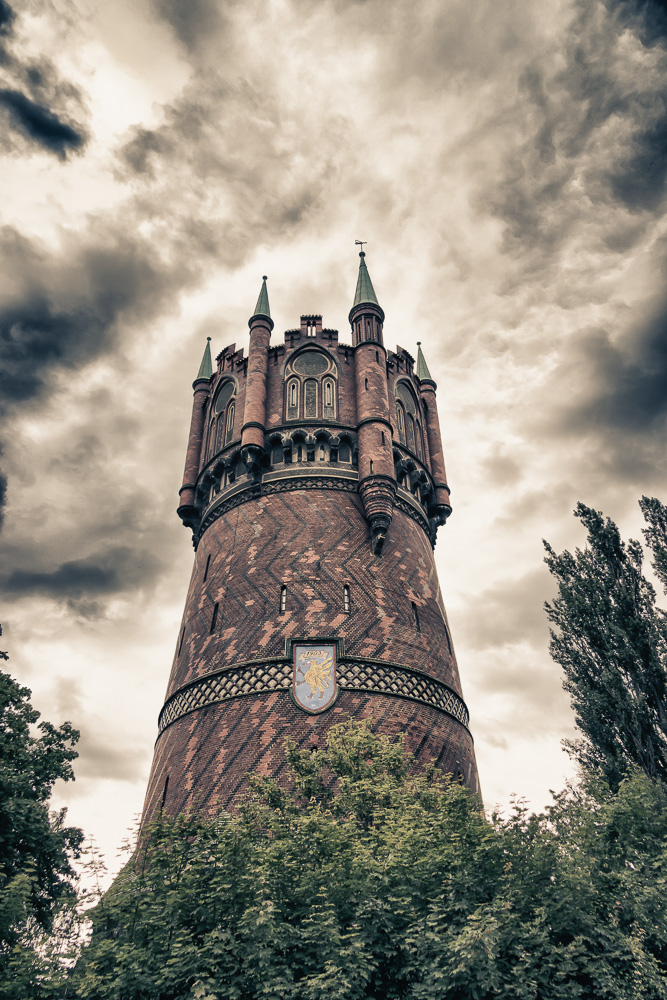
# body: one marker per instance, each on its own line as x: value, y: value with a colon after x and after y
x: 648, y: 18
x: 6, y: 18
x: 607, y: 388
x: 39, y: 124
x: 590, y: 142
x: 39, y: 106
x: 3, y: 497
x: 117, y: 569
x: 63, y: 308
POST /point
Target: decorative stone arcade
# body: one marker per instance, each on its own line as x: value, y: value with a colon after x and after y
x: 314, y: 486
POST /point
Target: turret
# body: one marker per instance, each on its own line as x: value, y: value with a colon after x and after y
x: 377, y: 482
x: 254, y: 418
x: 441, y: 508
x: 187, y: 510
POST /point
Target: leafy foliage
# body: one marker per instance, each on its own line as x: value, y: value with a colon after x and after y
x: 366, y: 881
x: 611, y: 640
x: 36, y: 848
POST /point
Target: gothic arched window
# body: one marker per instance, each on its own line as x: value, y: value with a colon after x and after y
x: 407, y: 418
x: 411, y: 433
x: 293, y: 400
x: 329, y: 400
x: 221, y: 425
x: 310, y: 385
x: 310, y: 399
x: 231, y: 410
x: 400, y: 420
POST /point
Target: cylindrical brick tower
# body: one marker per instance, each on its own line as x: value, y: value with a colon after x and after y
x: 314, y: 486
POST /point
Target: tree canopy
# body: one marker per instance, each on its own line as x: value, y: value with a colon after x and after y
x: 365, y: 880
x: 36, y: 847
x: 610, y: 638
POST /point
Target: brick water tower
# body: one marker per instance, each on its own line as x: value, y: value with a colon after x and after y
x: 314, y: 487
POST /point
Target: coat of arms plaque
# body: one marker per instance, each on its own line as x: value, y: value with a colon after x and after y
x: 314, y: 683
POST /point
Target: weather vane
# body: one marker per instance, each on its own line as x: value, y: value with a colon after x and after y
x: 360, y: 243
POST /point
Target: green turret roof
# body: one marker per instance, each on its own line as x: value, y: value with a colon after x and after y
x: 422, y: 367
x: 365, y: 291
x: 206, y: 367
x: 262, y: 307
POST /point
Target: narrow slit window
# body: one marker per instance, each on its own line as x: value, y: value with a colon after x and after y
x: 382, y: 435
x: 208, y: 563
x: 377, y: 357
x: 180, y: 644
x: 366, y: 383
x: 214, y: 618
x: 164, y: 793
x: 415, y: 614
x: 346, y: 599
x: 283, y: 599
x: 371, y: 466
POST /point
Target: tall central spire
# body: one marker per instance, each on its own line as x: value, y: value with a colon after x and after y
x: 262, y: 307
x: 365, y: 293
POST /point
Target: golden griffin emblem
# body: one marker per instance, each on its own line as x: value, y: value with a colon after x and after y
x: 314, y: 684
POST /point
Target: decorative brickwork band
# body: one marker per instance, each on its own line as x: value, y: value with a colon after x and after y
x: 372, y: 676
x: 253, y: 491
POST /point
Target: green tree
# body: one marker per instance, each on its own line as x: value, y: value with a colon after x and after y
x: 610, y: 638
x: 366, y: 880
x: 36, y: 847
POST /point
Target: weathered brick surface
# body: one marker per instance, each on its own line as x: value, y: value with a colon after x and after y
x: 313, y: 543
x: 305, y: 525
x: 208, y: 754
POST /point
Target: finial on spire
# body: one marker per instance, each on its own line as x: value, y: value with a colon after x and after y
x: 262, y: 307
x: 365, y: 293
x: 206, y: 366
x: 422, y: 367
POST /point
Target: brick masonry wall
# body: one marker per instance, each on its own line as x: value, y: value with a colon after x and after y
x: 209, y: 754
x: 313, y: 542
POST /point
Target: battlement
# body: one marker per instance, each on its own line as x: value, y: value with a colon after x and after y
x: 231, y: 360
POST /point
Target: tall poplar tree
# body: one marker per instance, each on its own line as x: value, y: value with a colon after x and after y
x: 610, y: 637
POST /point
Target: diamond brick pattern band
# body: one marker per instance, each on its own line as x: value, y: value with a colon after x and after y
x: 276, y: 675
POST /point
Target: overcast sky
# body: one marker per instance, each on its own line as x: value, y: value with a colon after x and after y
x: 506, y: 163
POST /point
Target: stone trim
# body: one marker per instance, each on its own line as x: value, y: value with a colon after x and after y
x: 376, y: 420
x: 354, y: 674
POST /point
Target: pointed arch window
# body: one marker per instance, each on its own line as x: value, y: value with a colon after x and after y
x: 400, y: 420
x: 293, y: 399
x: 329, y: 400
x: 310, y: 399
x: 411, y: 433
x: 231, y: 412
x: 310, y: 385
x: 221, y: 427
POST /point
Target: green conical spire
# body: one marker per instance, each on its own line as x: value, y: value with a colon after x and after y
x: 206, y: 367
x: 262, y: 307
x: 422, y: 367
x: 365, y: 292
